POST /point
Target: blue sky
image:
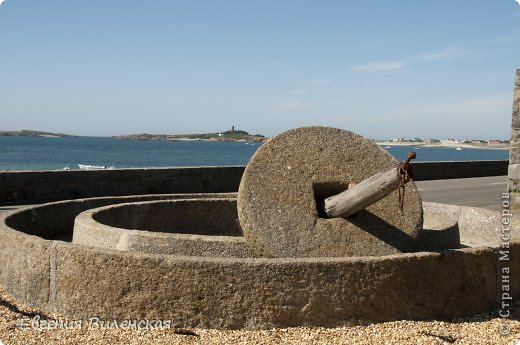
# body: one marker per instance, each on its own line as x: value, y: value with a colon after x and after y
x: 384, y: 69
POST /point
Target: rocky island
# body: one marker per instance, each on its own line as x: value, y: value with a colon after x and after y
x: 231, y: 135
x: 31, y: 133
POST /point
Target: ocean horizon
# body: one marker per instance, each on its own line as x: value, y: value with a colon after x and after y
x: 50, y: 153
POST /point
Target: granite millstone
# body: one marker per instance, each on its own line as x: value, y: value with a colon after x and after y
x: 290, y: 174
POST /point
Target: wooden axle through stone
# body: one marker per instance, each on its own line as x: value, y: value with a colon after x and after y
x: 369, y: 191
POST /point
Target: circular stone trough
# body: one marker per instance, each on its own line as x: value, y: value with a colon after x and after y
x: 193, y: 227
x: 81, y: 281
x: 163, y: 227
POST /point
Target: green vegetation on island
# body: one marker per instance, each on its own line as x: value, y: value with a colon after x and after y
x: 31, y: 133
x: 231, y: 135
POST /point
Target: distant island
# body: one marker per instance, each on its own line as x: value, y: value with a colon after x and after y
x: 240, y: 135
x: 31, y: 133
x: 230, y: 135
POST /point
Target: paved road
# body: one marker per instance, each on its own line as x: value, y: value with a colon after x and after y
x: 483, y: 192
x: 477, y: 192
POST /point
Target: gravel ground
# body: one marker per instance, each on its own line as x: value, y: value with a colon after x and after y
x: 479, y: 329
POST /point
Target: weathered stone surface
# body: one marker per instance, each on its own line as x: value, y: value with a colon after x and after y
x: 514, y: 151
x: 80, y: 282
x: 288, y: 175
x: 266, y: 293
x: 513, y: 266
x: 24, y: 266
x: 184, y: 244
x: 515, y: 136
x: 44, y: 186
x: 515, y: 200
x: 440, y: 227
x: 516, y: 101
x: 514, y: 146
x: 216, y: 218
x: 513, y: 186
x: 514, y: 171
x: 514, y: 154
x: 207, y: 216
x: 515, y: 123
x: 440, y: 231
x: 482, y: 227
x: 55, y: 221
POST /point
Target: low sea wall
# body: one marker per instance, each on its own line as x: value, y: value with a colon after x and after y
x: 26, y: 187
x: 459, y: 169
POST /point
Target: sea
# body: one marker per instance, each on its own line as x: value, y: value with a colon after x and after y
x: 50, y: 153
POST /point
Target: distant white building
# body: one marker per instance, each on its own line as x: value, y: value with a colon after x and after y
x: 450, y: 141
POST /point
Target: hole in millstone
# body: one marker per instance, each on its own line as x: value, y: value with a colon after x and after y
x: 322, y: 190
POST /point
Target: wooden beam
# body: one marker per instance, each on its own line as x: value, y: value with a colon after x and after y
x: 367, y: 192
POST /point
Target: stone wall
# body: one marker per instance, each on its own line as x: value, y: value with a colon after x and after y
x: 32, y: 187
x: 514, y: 153
x: 426, y: 171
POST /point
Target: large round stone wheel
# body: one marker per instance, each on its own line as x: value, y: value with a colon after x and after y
x: 290, y: 175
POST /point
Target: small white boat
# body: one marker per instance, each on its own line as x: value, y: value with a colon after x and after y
x: 458, y: 149
x: 93, y: 167
x: 388, y: 147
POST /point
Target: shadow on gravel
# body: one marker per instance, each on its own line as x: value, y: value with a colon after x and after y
x: 13, y: 308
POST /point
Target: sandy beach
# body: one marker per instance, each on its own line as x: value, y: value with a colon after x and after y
x: 454, y: 145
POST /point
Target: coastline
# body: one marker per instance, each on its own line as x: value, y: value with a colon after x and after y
x: 447, y: 145
x: 193, y: 137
